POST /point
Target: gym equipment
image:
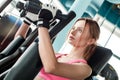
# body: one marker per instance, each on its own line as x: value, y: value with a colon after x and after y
x: 9, y: 24
x: 12, y: 58
x: 4, y: 74
x: 109, y: 73
x: 27, y: 66
x: 8, y: 61
x: 4, y: 4
x: 99, y: 60
x: 64, y: 20
x: 29, y: 6
x: 12, y: 47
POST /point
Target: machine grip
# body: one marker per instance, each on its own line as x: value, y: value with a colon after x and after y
x: 64, y: 20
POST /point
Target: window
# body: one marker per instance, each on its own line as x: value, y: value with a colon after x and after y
x: 110, y: 38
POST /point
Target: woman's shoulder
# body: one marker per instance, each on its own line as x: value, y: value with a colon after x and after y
x: 79, y: 61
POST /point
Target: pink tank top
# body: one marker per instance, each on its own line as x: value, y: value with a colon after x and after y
x: 47, y: 76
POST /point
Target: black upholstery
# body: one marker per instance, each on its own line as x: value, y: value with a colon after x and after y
x: 8, y: 61
x: 12, y: 47
x: 5, y: 61
x: 27, y: 66
x: 99, y: 59
x: 2, y: 75
x: 109, y: 73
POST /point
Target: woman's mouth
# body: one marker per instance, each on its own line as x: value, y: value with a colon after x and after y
x: 71, y: 37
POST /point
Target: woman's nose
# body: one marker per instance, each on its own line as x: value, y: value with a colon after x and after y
x: 73, y: 32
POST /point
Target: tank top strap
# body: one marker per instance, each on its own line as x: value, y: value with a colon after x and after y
x: 78, y: 61
x: 59, y: 55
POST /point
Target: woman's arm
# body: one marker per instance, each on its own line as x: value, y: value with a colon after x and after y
x: 51, y: 65
x: 22, y: 30
x: 46, y: 49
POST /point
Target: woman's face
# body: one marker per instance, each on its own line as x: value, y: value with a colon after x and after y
x: 79, y: 34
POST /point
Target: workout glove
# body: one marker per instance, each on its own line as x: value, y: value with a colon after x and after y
x: 31, y: 18
x: 46, y: 15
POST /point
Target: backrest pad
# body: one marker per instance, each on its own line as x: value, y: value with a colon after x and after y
x: 99, y: 59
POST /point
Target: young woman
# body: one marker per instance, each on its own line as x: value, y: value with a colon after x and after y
x: 73, y: 65
x: 70, y: 66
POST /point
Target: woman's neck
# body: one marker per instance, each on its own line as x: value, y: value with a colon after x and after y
x: 77, y: 52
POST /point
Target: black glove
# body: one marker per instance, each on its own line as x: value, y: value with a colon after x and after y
x: 46, y: 15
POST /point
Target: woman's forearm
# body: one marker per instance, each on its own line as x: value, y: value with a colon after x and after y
x: 46, y: 50
x: 22, y: 30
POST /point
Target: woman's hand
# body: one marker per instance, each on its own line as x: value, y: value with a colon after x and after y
x: 47, y: 13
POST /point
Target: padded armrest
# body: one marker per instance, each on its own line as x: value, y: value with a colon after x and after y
x: 99, y: 59
x: 27, y: 66
x: 12, y: 47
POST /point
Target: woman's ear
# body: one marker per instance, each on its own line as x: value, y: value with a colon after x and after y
x: 91, y: 41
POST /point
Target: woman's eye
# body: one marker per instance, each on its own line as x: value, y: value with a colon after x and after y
x: 80, y: 30
x: 73, y: 28
x: 77, y: 29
